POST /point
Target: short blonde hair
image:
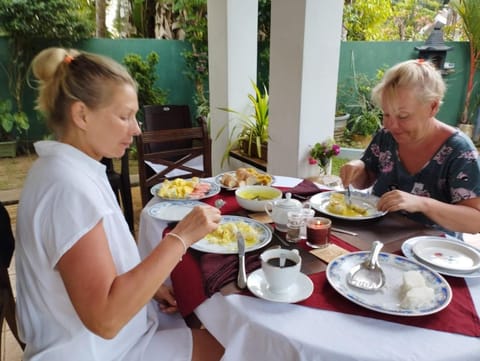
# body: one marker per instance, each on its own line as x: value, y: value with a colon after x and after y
x: 66, y: 76
x: 418, y: 75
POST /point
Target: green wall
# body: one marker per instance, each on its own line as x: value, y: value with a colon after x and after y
x: 170, y: 72
x: 368, y: 57
x: 371, y: 56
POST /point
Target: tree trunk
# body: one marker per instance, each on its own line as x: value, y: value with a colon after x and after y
x: 101, y: 10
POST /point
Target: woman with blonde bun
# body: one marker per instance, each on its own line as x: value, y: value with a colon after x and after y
x: 417, y: 164
x: 83, y: 293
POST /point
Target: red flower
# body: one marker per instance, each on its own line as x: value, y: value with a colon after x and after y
x: 312, y: 160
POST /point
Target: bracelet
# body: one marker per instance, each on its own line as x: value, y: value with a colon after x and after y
x: 184, y: 244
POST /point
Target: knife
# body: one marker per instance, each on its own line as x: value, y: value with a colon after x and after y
x: 242, y: 274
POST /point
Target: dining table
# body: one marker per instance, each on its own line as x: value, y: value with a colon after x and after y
x: 326, y: 325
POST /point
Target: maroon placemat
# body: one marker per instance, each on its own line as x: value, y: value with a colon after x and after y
x: 458, y: 317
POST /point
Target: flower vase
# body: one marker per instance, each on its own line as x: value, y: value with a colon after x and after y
x: 317, y: 171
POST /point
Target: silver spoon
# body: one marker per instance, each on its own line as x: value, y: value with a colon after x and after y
x: 368, y: 275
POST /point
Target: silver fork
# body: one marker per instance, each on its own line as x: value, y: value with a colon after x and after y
x: 349, y: 195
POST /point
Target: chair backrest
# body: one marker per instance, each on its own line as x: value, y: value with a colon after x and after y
x: 201, y: 147
x: 158, y: 117
x: 7, y: 300
x: 120, y: 183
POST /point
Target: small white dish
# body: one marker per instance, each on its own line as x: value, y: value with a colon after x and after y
x: 299, y: 291
x: 408, y: 252
x: 172, y: 211
x: 446, y: 254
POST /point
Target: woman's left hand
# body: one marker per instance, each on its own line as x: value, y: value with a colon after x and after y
x: 166, y: 299
x: 396, y: 200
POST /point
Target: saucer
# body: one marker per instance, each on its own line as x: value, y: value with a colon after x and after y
x: 299, y: 291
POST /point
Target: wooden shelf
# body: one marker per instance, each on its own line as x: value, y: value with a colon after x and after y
x: 256, y: 162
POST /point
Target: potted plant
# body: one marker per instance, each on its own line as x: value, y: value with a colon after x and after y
x: 341, y: 116
x: 366, y: 116
x: 362, y: 127
x: 469, y: 11
x: 11, y: 125
x: 251, y: 134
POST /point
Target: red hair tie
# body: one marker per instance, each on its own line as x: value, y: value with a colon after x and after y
x: 420, y: 61
x: 68, y: 59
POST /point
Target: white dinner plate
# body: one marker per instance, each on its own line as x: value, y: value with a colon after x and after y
x: 407, y: 249
x: 218, y: 179
x: 388, y: 298
x: 172, y: 211
x: 450, y: 255
x: 299, y: 291
x: 214, y: 190
x: 264, y: 237
x: 320, y: 201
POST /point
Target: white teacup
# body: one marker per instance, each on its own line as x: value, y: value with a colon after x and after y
x: 281, y: 268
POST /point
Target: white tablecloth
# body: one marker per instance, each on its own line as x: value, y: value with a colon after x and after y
x: 254, y: 329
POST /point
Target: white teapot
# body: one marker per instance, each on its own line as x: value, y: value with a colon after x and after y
x: 278, y: 210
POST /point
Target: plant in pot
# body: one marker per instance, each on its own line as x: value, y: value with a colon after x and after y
x: 341, y: 116
x: 469, y: 11
x: 250, y: 134
x: 11, y: 126
x: 366, y: 116
x: 361, y: 128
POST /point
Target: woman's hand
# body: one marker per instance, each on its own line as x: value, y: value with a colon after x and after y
x: 354, y: 173
x: 166, y: 299
x: 396, y: 200
x: 199, y: 222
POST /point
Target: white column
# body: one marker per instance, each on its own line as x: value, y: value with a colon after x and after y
x: 304, y: 61
x: 232, y: 54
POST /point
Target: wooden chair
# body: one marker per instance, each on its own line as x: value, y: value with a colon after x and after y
x: 120, y: 183
x: 159, y: 117
x: 171, y: 159
x: 7, y: 301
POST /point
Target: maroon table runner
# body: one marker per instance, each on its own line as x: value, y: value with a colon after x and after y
x: 199, y: 275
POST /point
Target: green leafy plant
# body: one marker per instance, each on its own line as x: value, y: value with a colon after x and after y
x: 365, y: 116
x: 252, y: 130
x: 11, y: 124
x: 30, y: 25
x: 469, y: 11
x: 366, y: 123
x: 145, y: 74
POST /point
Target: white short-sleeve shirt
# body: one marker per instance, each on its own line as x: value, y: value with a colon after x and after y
x: 65, y: 195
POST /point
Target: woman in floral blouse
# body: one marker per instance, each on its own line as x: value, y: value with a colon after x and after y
x: 416, y: 163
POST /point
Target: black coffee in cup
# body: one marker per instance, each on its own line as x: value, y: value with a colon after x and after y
x: 275, y: 262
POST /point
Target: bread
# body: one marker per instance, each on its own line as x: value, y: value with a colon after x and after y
x: 229, y: 180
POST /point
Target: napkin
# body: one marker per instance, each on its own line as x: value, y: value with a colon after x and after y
x: 304, y: 188
x: 218, y: 269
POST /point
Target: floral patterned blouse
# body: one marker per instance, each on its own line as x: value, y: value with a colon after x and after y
x: 451, y: 175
